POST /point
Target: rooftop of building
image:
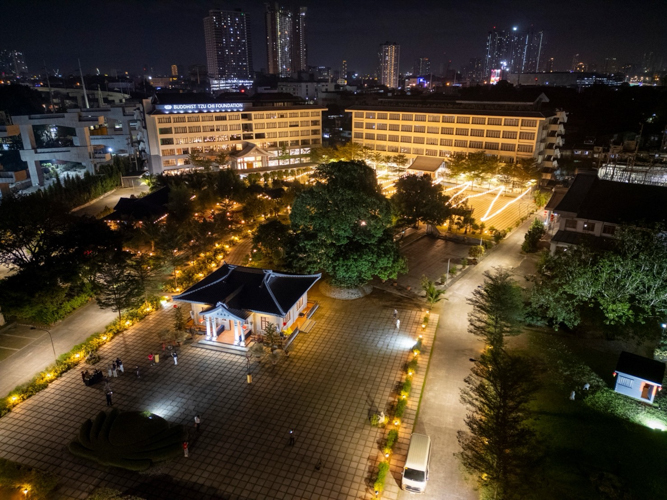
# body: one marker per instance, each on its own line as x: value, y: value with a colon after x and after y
x: 617, y: 202
x: 151, y: 206
x: 426, y: 164
x: 511, y: 105
x: 645, y: 368
x: 250, y: 289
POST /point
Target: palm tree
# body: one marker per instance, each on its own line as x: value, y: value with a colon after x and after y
x: 433, y: 294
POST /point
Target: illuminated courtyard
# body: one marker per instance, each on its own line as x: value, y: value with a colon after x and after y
x: 346, y: 366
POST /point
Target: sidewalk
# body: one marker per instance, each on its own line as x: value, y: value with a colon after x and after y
x: 31, y: 350
x: 110, y: 200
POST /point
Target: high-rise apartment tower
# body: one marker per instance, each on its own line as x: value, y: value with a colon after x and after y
x: 286, y: 47
x: 389, y: 59
x: 228, y: 49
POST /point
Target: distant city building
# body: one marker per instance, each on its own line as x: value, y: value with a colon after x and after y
x: 576, y: 79
x: 473, y: 72
x: 514, y: 51
x: 12, y: 64
x: 389, y: 60
x: 575, y: 62
x: 422, y: 66
x: 286, y: 47
x: 549, y: 68
x: 648, y: 62
x: 174, y: 72
x: 610, y: 65
x: 228, y: 49
x: 344, y: 70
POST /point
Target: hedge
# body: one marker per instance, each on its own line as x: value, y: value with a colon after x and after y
x: 400, y: 407
x: 383, y: 470
x: 16, y: 476
x: 76, y: 355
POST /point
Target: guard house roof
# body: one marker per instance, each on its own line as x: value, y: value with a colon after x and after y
x: 617, y: 202
x: 641, y: 367
x: 426, y: 164
x: 153, y: 205
x: 250, y: 289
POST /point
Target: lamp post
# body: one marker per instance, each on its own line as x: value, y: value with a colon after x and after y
x: 32, y: 327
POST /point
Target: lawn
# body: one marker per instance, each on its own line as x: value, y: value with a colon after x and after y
x: 589, y: 453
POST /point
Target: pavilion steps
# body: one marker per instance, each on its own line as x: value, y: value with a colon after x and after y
x: 212, y: 345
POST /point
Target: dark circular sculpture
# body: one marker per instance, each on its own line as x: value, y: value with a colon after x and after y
x: 129, y: 440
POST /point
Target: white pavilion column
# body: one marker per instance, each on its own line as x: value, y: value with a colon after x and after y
x: 208, y: 327
x: 214, y: 333
x: 236, y: 333
x: 242, y: 335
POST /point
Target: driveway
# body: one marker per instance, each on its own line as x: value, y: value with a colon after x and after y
x: 441, y: 414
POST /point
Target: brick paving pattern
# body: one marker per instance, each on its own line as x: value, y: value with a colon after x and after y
x: 346, y: 366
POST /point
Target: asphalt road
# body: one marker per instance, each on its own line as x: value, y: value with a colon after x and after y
x: 441, y: 413
x: 25, y: 352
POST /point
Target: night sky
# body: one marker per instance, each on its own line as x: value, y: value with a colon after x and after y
x: 126, y: 35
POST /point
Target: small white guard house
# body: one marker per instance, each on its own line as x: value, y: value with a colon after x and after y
x: 234, y: 300
x: 639, y: 377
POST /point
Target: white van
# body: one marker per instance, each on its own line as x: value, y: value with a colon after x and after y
x: 415, y: 473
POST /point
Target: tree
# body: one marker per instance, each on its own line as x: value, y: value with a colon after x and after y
x: 533, y: 236
x: 180, y: 204
x: 497, y: 308
x: 499, y: 448
x: 256, y: 206
x: 117, y: 285
x: 624, y: 281
x: 271, y: 338
x: 272, y: 239
x: 400, y: 160
x: 433, y: 294
x: 417, y: 200
x: 342, y: 225
x: 196, y: 159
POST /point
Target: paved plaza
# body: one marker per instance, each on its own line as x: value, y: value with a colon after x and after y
x: 347, y: 366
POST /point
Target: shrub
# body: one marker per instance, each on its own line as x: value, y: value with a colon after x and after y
x: 499, y: 235
x: 412, y: 366
x: 17, y: 476
x: 392, y: 437
x: 532, y: 237
x: 418, y: 345
x: 129, y: 440
x: 407, y: 387
x: 476, y: 251
x: 453, y: 270
x: 464, y: 263
x: 400, y: 407
x: 383, y: 470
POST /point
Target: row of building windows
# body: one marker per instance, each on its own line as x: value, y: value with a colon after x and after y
x: 420, y: 129
x: 236, y: 116
x: 589, y: 227
x: 521, y: 148
x: 442, y: 153
x: 271, y: 144
x: 167, y: 141
x: 475, y: 120
x: 246, y: 127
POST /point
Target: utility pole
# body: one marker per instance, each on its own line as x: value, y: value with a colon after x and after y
x: 83, y: 84
x: 48, y: 82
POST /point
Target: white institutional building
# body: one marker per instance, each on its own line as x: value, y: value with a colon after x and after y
x: 276, y: 125
x: 441, y: 128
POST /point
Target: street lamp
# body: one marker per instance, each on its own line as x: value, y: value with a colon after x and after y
x: 32, y: 327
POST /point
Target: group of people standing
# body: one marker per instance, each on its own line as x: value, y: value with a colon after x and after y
x: 115, y: 367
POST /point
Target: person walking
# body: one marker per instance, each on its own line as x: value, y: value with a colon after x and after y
x: 110, y: 371
x: 120, y: 366
x: 137, y: 372
x: 83, y: 376
x: 291, y: 437
x: 395, y: 313
x: 185, y: 449
x: 175, y: 356
x: 109, y: 402
x: 398, y: 324
x: 114, y: 369
x: 150, y: 359
x: 197, y: 422
x: 107, y: 386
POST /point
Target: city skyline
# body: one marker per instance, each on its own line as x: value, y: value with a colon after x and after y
x: 336, y: 33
